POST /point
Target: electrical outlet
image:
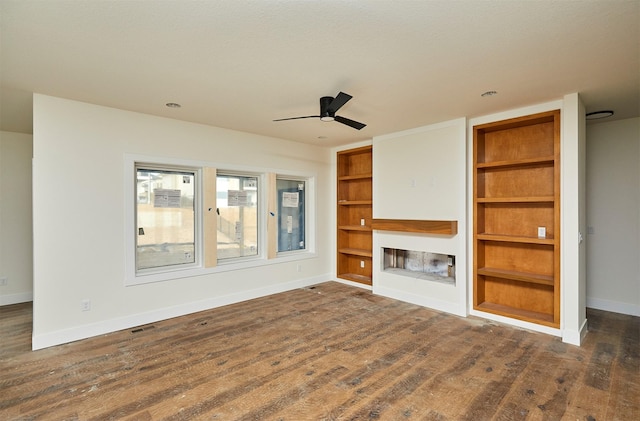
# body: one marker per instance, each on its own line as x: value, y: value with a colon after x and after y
x: 85, y: 305
x: 361, y: 263
x: 4, y: 281
x: 542, y: 232
x: 299, y: 268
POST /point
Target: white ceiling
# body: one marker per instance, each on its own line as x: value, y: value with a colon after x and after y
x: 241, y: 64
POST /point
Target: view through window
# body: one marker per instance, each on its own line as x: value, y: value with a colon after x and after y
x: 291, y: 214
x: 165, y: 218
x: 237, y: 202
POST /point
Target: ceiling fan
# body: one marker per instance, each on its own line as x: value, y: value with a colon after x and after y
x: 328, y: 108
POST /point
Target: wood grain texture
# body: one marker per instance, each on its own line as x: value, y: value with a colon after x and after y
x: 354, y: 199
x: 516, y: 191
x: 419, y: 226
x: 210, y: 218
x: 329, y: 352
x: 272, y: 216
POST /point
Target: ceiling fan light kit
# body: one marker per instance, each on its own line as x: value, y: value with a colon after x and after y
x: 328, y: 107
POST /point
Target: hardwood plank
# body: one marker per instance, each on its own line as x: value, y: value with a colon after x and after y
x: 327, y: 352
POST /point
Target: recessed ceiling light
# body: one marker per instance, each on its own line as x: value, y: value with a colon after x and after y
x: 173, y: 105
x: 596, y: 115
x: 489, y: 93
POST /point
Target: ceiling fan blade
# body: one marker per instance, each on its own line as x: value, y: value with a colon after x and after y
x: 297, y: 118
x: 338, y: 102
x: 356, y: 125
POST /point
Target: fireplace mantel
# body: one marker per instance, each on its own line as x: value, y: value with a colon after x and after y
x: 413, y: 225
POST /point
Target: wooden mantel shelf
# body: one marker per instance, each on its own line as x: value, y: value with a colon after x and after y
x: 413, y: 225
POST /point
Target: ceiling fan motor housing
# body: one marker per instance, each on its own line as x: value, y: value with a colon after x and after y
x: 325, y: 113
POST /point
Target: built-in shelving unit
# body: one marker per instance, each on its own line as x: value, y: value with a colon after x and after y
x: 516, y: 196
x: 354, y: 213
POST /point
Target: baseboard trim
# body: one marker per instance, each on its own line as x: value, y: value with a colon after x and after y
x: 517, y: 323
x: 22, y: 297
x: 107, y: 326
x: 575, y: 337
x: 353, y: 284
x: 614, y: 306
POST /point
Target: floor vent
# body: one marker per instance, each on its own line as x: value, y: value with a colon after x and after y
x: 141, y: 329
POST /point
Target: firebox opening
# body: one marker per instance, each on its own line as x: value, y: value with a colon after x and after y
x: 420, y: 264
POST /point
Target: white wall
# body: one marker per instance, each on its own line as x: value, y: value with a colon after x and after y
x: 613, y: 216
x: 420, y: 174
x: 79, y: 218
x: 16, y: 257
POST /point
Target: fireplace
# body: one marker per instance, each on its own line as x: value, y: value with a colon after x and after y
x: 435, y: 267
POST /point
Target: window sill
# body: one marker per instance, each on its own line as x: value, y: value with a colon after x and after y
x: 189, y: 272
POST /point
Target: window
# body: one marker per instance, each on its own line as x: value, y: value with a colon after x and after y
x: 291, y: 214
x: 165, y: 217
x: 237, y: 208
x: 189, y: 218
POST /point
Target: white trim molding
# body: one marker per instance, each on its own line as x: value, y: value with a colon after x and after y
x: 614, y: 306
x: 22, y: 297
x: 113, y: 325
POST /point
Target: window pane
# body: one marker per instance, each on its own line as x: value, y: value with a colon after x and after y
x: 291, y: 205
x: 165, y: 218
x: 237, y: 201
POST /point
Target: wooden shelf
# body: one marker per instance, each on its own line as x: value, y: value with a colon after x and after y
x: 516, y: 190
x: 362, y: 279
x: 517, y: 313
x: 527, y: 199
x: 356, y: 252
x: 354, y: 228
x: 354, y: 202
x: 354, y: 205
x: 517, y: 276
x: 420, y: 226
x: 515, y: 239
x: 354, y: 177
x: 547, y: 160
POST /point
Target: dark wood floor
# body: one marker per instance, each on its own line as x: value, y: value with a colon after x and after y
x: 330, y: 352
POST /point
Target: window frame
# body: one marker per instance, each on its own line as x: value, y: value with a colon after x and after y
x: 197, y: 258
x: 307, y: 181
x: 133, y: 278
x: 260, y: 219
